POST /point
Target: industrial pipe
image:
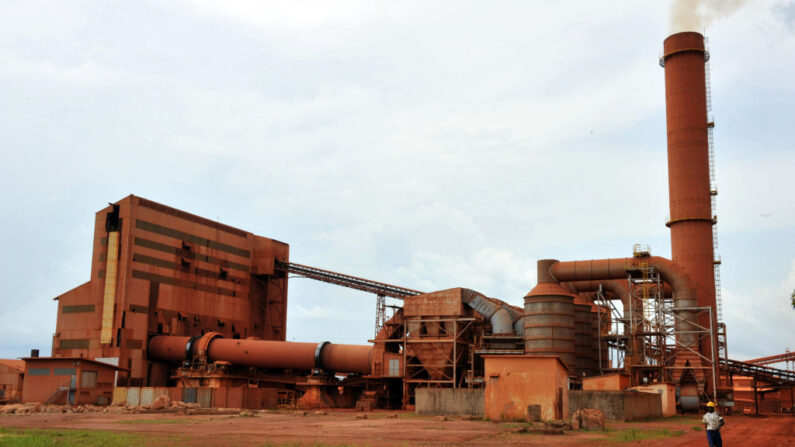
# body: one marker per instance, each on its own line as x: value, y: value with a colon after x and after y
x: 500, y: 319
x: 682, y: 286
x: 262, y: 353
x: 619, y: 288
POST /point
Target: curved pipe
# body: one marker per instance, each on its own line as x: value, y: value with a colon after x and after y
x: 500, y: 319
x: 619, y: 288
x: 263, y: 353
x: 683, y: 288
x: 601, y: 269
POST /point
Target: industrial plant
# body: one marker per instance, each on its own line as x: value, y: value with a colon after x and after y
x: 185, y: 306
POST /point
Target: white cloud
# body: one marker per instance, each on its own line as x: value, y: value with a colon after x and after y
x: 429, y: 145
x: 760, y: 323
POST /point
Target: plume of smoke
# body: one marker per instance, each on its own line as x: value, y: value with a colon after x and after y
x: 696, y: 15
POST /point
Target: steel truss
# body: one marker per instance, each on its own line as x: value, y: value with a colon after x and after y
x: 448, y: 341
x: 649, y: 333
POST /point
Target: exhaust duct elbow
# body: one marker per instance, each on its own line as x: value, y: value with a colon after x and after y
x: 500, y: 319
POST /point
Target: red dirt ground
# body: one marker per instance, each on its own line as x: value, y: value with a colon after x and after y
x: 341, y: 428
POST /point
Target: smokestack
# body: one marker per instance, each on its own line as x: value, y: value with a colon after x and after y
x: 689, y: 192
x: 34, y: 353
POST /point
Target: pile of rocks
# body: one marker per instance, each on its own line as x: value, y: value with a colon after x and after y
x: 588, y: 419
x: 35, y: 407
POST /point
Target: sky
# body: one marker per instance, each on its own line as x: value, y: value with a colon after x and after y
x: 424, y: 144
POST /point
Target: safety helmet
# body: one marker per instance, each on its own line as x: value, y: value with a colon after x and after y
x: 711, y: 404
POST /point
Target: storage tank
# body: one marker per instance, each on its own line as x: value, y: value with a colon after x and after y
x: 549, y: 319
x: 583, y: 337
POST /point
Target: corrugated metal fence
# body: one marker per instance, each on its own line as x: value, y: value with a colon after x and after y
x: 250, y: 398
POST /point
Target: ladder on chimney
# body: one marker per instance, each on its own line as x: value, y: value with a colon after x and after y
x: 713, y: 187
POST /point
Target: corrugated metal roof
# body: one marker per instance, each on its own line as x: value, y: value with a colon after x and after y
x: 13, y: 363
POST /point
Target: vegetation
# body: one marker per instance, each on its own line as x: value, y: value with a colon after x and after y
x: 10, y: 437
x: 675, y: 419
x: 634, y: 434
x: 82, y: 438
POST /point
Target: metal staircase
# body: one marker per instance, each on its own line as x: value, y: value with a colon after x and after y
x: 713, y: 186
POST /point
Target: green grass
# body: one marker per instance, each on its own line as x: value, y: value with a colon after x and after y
x: 674, y: 419
x: 634, y: 434
x: 11, y: 437
x: 82, y: 438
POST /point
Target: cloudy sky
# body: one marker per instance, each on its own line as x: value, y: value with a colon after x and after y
x: 426, y: 144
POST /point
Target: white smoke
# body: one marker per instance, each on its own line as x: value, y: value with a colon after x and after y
x: 696, y: 15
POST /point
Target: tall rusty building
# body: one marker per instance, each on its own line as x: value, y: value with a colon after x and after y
x: 159, y: 270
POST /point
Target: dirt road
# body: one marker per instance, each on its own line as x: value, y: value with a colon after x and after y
x: 342, y: 428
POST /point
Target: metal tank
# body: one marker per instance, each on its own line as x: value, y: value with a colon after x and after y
x: 549, y: 319
x: 583, y: 337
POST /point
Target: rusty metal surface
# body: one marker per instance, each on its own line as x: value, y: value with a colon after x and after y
x: 177, y: 274
x: 204, y: 397
x: 189, y: 395
x: 683, y: 287
x: 444, y: 302
x: 549, y: 319
x: 168, y: 348
x: 264, y: 353
x: 769, y: 360
x: 689, y: 194
x: 346, y: 358
x: 344, y: 280
x: 583, y: 339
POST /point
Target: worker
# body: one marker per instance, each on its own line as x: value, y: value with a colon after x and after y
x: 713, y: 422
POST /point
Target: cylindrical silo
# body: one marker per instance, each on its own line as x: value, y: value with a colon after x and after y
x: 583, y: 336
x: 549, y: 319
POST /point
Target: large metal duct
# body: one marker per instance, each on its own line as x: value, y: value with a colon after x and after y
x: 689, y: 192
x: 683, y: 288
x: 615, y: 289
x: 549, y: 318
x: 498, y: 316
x: 263, y: 353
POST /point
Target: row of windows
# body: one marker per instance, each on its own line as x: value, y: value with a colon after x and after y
x: 88, y: 379
x: 56, y: 372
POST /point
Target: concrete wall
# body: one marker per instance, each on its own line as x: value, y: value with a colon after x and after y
x: 449, y: 401
x: 667, y: 392
x: 612, y: 382
x: 514, y: 383
x: 618, y: 405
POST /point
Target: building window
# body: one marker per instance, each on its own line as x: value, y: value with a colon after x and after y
x: 39, y: 372
x: 394, y: 368
x: 64, y: 372
x: 88, y: 379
